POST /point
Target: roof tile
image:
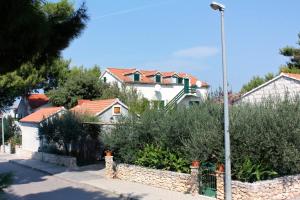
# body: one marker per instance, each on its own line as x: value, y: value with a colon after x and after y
x: 93, y: 107
x: 41, y: 114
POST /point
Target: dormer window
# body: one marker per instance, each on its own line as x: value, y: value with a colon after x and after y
x: 158, y: 78
x: 136, y: 77
x: 179, y: 80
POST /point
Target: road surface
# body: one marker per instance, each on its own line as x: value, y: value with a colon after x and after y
x: 34, y: 185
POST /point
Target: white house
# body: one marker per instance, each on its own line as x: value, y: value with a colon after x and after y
x: 164, y: 87
x: 107, y: 110
x: 24, y: 106
x: 280, y: 86
x: 30, y: 127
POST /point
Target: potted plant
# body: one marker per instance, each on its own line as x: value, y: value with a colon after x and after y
x: 108, y: 153
x: 221, y: 167
x: 195, y: 163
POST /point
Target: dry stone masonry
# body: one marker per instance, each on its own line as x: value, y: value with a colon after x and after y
x: 282, y: 188
x: 175, y: 181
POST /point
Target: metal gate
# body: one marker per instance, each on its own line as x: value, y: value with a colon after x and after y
x: 208, y: 184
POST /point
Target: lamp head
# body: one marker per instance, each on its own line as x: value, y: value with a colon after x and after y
x: 217, y: 6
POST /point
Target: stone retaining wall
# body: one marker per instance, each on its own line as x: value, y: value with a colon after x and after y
x: 66, y: 161
x: 175, y: 181
x: 287, y: 187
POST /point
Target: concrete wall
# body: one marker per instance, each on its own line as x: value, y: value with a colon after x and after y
x: 187, y: 183
x: 30, y: 136
x: 287, y: 187
x: 66, y: 161
x: 277, y: 88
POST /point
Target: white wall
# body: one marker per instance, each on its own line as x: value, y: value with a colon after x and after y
x: 30, y: 136
x: 166, y: 94
x: 277, y: 88
x: 111, y: 79
x: 108, y: 117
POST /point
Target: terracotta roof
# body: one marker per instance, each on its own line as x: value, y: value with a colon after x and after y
x: 81, y: 101
x: 41, y: 114
x: 295, y: 76
x: 94, y: 107
x: 37, y: 100
x: 146, y: 76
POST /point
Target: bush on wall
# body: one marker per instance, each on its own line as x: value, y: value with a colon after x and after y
x: 267, y: 133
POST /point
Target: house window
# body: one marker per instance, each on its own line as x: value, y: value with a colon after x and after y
x: 179, y: 80
x: 136, y: 77
x: 117, y: 110
x: 157, y: 78
x: 104, y: 79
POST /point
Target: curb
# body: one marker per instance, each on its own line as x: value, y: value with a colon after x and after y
x: 119, y: 195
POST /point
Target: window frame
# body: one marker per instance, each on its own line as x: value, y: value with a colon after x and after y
x: 158, y: 77
x: 113, y: 110
x: 136, y: 77
x: 180, y: 82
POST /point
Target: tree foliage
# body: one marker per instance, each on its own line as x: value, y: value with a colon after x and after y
x: 268, y: 134
x: 11, y: 129
x: 80, y: 84
x: 28, y: 78
x: 293, y: 65
x: 255, y: 82
x: 37, y: 31
x: 70, y: 136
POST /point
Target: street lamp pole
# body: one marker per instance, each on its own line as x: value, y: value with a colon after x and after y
x: 228, y: 196
x: 3, y: 145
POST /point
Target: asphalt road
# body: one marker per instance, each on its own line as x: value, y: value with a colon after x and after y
x: 31, y: 184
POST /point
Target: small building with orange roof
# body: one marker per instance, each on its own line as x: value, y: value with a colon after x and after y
x: 29, y: 126
x: 106, y: 110
x: 163, y: 87
x: 283, y: 85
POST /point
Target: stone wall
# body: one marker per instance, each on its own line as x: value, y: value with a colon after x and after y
x: 175, y: 181
x: 277, y: 88
x: 282, y: 188
x: 66, y: 161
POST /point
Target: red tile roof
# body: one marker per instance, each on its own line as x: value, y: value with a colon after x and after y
x: 41, y: 114
x: 146, y: 76
x: 93, y: 107
x: 37, y: 100
x: 295, y: 76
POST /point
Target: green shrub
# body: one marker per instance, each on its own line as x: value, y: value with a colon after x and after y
x: 250, y: 172
x: 70, y: 135
x: 268, y: 133
x: 158, y: 158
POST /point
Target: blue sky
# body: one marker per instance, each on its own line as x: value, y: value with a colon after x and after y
x: 184, y: 36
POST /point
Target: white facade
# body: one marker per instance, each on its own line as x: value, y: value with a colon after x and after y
x: 165, y: 93
x: 108, y: 116
x: 278, y: 87
x: 30, y: 136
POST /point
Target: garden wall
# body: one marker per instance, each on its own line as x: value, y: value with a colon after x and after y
x: 175, y: 181
x: 287, y: 187
x: 66, y: 161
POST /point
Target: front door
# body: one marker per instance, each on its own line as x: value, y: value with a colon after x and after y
x: 186, y: 85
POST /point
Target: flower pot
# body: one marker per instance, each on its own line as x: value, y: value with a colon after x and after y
x: 221, y: 168
x: 108, y: 153
x: 195, y: 163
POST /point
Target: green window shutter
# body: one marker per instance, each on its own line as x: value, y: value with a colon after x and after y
x: 136, y: 77
x: 157, y: 78
x: 104, y: 79
x: 179, y: 80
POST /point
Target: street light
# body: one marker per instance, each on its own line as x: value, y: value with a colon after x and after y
x: 221, y: 8
x: 3, y: 145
